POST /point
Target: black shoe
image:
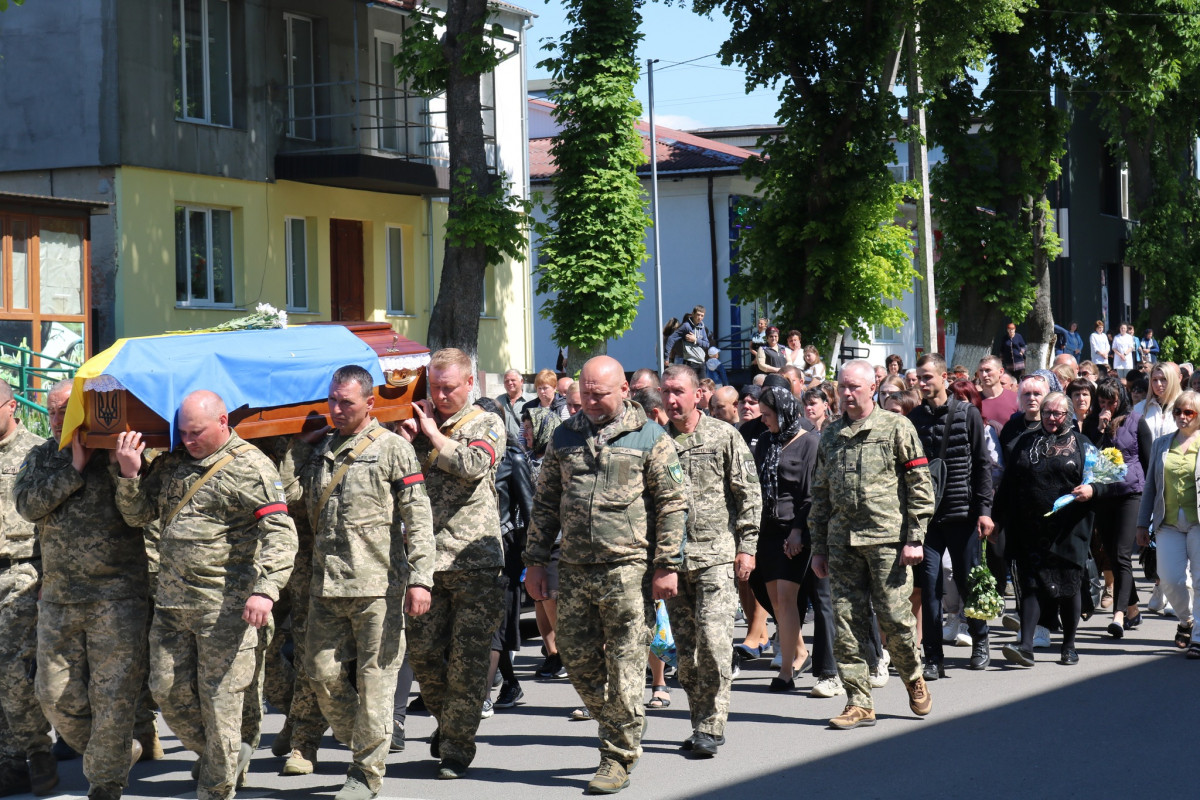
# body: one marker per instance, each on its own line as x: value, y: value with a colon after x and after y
x: 451, y: 770
x: 397, y: 745
x: 552, y: 667
x: 704, y: 744
x: 690, y: 742
x: 43, y: 772
x: 1068, y: 656
x: 980, y: 655
x: 509, y: 696
x: 933, y: 670
x: 780, y: 685
x: 435, y: 744
x: 14, y: 778
x: 1015, y: 655
x: 63, y: 751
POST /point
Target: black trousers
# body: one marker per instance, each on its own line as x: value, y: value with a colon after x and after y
x: 959, y: 537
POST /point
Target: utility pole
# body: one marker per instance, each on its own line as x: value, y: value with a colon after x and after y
x: 658, y: 315
x: 918, y: 159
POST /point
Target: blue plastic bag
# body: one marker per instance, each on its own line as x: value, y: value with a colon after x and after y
x: 663, y: 643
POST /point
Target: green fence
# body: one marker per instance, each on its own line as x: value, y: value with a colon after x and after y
x: 31, y: 374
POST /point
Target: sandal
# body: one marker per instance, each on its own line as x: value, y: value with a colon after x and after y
x: 580, y: 715
x: 659, y: 702
x: 1183, y: 636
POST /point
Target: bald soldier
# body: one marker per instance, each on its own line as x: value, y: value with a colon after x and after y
x: 612, y: 482
x: 226, y: 547
x: 92, y: 616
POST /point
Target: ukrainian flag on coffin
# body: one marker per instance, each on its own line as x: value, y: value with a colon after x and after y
x: 255, y: 368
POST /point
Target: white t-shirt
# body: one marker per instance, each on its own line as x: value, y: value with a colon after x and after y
x: 1125, y: 342
x: 1100, y: 347
x: 817, y: 371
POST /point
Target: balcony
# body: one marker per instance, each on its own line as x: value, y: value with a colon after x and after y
x: 366, y: 136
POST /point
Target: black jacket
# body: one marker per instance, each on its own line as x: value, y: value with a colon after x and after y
x: 968, y: 490
x: 514, y: 499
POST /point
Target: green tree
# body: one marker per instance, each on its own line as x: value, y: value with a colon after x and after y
x: 592, y: 252
x: 4, y: 4
x: 449, y: 53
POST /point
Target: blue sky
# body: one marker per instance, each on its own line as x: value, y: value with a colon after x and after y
x: 700, y: 94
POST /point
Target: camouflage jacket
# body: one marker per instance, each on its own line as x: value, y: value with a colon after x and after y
x: 18, y: 537
x: 234, y: 538
x: 871, y: 485
x: 89, y: 553
x: 724, y: 498
x: 461, y: 481
x: 361, y: 549
x: 617, y: 493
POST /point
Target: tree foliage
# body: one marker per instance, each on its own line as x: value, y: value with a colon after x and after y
x: 485, y: 222
x: 4, y: 4
x: 591, y: 255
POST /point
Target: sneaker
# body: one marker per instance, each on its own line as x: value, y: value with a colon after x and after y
x: 828, y: 687
x: 950, y: 630
x: 933, y: 670
x: 919, y: 699
x: 304, y: 761
x: 610, y: 778
x: 737, y: 665
x: 1015, y: 655
x: 880, y: 675
x: 853, y: 717
x: 1011, y: 622
x: 1041, y: 636
x: 552, y: 667
x: 1158, y: 601
x: 704, y: 744
x: 43, y: 772
x: 356, y: 787
x: 980, y: 657
x: 510, y: 695
x: 963, y: 639
x: 487, y: 710
x: 397, y: 745
x: 451, y: 770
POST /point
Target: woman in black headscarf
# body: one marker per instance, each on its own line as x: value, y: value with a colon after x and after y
x: 785, y: 458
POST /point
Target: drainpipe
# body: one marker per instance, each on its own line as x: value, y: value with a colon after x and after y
x: 527, y: 284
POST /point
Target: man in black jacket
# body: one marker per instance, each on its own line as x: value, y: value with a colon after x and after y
x: 952, y: 431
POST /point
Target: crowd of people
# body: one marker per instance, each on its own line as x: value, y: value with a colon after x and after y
x: 327, y: 572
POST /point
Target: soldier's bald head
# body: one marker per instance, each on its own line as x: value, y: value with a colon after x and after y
x: 602, y: 368
x: 602, y: 388
x: 203, y: 404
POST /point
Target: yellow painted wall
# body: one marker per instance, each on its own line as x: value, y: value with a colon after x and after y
x: 145, y: 209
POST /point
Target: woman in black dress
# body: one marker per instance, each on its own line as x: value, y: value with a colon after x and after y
x: 785, y: 457
x: 1049, y: 551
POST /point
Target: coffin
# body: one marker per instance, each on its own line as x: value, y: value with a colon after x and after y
x: 401, y: 361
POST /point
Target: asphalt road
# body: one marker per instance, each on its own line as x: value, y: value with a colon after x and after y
x: 1123, y: 721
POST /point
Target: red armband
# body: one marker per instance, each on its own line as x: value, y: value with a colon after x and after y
x: 917, y: 462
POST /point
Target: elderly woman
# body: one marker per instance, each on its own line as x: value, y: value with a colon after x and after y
x: 771, y: 357
x: 1116, y: 425
x: 1049, y: 551
x: 545, y: 384
x: 1170, y: 503
x: 785, y: 458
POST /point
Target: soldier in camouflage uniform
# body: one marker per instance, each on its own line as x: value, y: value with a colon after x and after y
x: 28, y: 734
x: 450, y: 647
x: 612, y: 482
x: 225, y: 553
x: 92, y: 615
x: 360, y: 483
x: 724, y: 504
x: 872, y: 501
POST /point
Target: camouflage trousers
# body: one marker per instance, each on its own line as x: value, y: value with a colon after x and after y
x: 288, y: 685
x: 201, y: 663
x: 449, y: 650
x: 145, y: 715
x: 369, y: 630
x: 91, y: 663
x: 252, y: 705
x: 702, y: 623
x: 605, y: 617
x: 861, y: 578
x: 28, y: 729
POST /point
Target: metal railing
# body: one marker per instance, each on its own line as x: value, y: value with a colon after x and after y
x: 30, y: 378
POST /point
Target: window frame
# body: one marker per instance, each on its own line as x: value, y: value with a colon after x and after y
x: 206, y: 60
x: 210, y: 302
x: 404, y: 310
x: 289, y: 56
x: 289, y: 265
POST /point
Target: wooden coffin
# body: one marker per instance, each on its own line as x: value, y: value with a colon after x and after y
x: 110, y: 413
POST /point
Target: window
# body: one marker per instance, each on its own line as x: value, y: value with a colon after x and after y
x: 203, y: 88
x: 297, y: 264
x: 396, y: 290
x: 203, y: 256
x: 399, y: 115
x: 882, y: 334
x: 301, y: 80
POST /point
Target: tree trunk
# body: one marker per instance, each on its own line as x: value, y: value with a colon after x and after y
x: 978, y: 322
x: 455, y: 318
x: 577, y: 357
x: 1040, y: 322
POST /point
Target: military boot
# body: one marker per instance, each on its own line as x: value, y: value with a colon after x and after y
x: 302, y: 761
x: 283, y: 741
x: 152, y: 749
x: 14, y: 778
x: 103, y: 791
x: 43, y: 772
